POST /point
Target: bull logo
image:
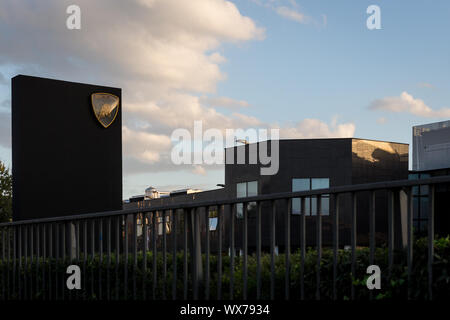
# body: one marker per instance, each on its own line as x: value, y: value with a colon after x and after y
x: 106, y: 107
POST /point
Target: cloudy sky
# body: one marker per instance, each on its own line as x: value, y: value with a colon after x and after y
x: 310, y: 68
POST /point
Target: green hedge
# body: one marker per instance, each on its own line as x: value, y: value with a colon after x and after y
x: 394, y: 287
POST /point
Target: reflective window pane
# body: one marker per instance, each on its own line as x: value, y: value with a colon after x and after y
x: 300, y: 185
x: 424, y: 190
x: 252, y: 188
x: 251, y: 209
x: 307, y: 206
x: 241, y: 190
x: 320, y: 183
x: 212, y: 224
x: 325, y: 205
x: 239, y: 210
x: 296, y: 206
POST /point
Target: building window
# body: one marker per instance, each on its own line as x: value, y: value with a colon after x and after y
x: 305, y: 184
x: 213, y: 219
x: 246, y: 189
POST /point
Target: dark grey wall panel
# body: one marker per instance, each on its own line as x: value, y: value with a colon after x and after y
x: 64, y: 161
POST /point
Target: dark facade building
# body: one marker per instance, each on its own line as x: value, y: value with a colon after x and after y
x: 61, y: 151
x: 431, y: 158
x: 305, y: 164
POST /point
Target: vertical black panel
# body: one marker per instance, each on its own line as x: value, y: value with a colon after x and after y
x: 60, y: 149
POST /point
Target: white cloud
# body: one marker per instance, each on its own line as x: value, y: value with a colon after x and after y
x: 292, y: 14
x: 5, y: 129
x: 199, y: 170
x: 315, y: 128
x: 425, y: 85
x: 289, y: 9
x: 163, y: 53
x: 144, y: 146
x: 381, y: 120
x: 407, y: 103
x: 225, y: 102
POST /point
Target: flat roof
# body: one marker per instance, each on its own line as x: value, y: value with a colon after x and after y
x: 314, y: 139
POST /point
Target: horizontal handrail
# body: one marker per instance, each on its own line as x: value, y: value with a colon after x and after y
x: 384, y: 185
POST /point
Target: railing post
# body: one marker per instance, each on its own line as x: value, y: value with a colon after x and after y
x: 431, y: 213
x: 353, y: 241
x: 186, y: 216
x: 135, y: 217
x: 220, y: 213
x: 197, y: 253
x: 164, y: 252
x: 372, y: 243
x: 258, y: 251
x: 335, y: 198
x: 390, y: 231
x: 232, y: 217
x: 207, y: 272
x: 154, y: 254
x: 287, y: 248
x: 144, y: 254
x: 409, y: 248
x: 272, y: 250
x: 318, y: 243
x: 245, y: 252
x: 174, y: 254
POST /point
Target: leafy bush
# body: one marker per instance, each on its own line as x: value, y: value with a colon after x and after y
x: 100, y: 281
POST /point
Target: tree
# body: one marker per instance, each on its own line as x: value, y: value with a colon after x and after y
x: 5, y: 194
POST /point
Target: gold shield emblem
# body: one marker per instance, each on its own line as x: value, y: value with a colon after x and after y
x: 106, y: 107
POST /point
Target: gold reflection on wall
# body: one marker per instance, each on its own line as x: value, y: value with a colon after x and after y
x: 373, y: 151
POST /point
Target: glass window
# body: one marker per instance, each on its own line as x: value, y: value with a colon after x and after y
x: 313, y: 206
x: 320, y: 183
x: 300, y: 185
x: 326, y: 205
x: 246, y: 189
x: 213, y: 220
x: 252, y: 188
x: 424, y: 190
x: 304, y: 184
x: 241, y: 190
x: 251, y: 209
x: 212, y: 224
x: 239, y: 210
x: 296, y: 206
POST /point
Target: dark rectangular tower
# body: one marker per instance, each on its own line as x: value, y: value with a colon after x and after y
x: 65, y: 161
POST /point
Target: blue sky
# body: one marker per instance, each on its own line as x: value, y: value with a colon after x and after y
x: 324, y: 65
x: 307, y: 71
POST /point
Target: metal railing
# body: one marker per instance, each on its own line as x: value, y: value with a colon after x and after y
x: 33, y: 251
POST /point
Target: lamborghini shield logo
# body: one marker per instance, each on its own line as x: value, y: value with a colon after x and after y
x: 106, y: 107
